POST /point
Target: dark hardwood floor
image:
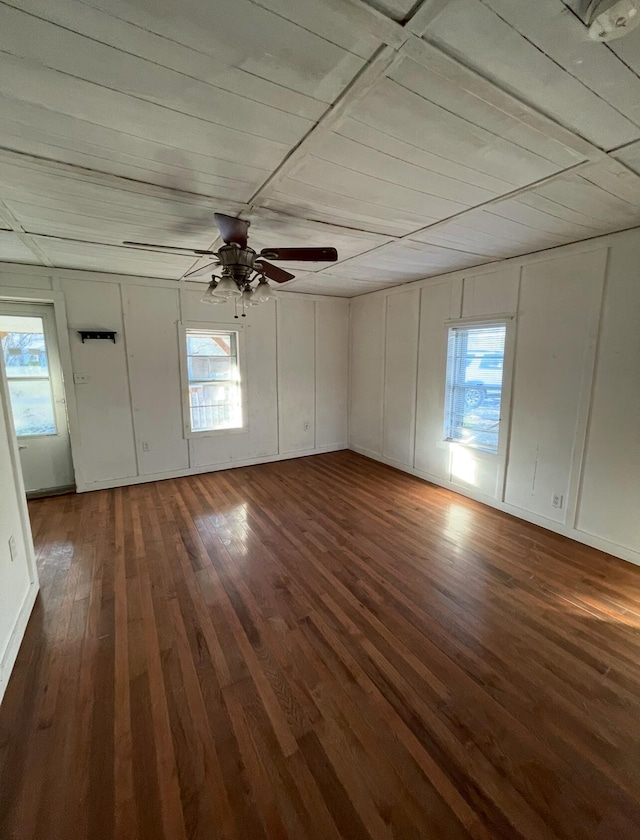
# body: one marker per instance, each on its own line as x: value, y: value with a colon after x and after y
x: 322, y: 648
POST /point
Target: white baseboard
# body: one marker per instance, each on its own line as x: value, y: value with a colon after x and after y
x: 17, y: 634
x: 621, y: 551
x: 226, y: 465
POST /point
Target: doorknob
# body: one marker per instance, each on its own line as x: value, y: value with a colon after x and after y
x: 23, y: 446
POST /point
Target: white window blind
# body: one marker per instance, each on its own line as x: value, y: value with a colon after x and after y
x: 215, y: 387
x: 475, y: 361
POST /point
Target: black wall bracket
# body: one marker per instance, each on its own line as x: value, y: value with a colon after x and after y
x: 108, y: 335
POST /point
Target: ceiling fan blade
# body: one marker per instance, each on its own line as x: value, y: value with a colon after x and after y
x: 175, y: 249
x: 200, y: 272
x: 232, y: 230
x: 273, y: 272
x: 301, y: 254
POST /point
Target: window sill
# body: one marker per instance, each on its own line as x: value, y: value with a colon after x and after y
x: 241, y: 430
x: 485, y: 454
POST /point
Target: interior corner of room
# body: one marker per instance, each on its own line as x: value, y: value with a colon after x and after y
x: 569, y: 410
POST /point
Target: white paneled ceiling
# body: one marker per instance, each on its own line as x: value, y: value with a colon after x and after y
x: 404, y: 261
x: 601, y: 198
x: 415, y: 137
x: 13, y: 249
x: 541, y: 52
x: 630, y: 156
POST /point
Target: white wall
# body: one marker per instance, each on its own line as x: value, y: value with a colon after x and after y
x: 366, y: 383
x: 126, y: 421
x: 18, y: 578
x: 571, y: 397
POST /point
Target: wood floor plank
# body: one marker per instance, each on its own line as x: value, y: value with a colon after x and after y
x: 319, y: 648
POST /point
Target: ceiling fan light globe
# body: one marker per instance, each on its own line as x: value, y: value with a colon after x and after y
x: 264, y: 293
x: 251, y: 298
x: 210, y: 295
x: 227, y: 288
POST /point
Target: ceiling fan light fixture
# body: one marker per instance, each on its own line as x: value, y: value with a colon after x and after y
x: 241, y: 266
x: 210, y: 295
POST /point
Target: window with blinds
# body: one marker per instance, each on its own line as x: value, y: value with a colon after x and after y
x: 475, y: 360
x: 214, y: 381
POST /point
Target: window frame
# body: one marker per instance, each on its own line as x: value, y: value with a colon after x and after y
x: 220, y: 328
x: 501, y: 320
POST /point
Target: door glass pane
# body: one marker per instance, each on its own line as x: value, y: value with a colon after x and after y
x: 26, y: 363
x: 32, y: 407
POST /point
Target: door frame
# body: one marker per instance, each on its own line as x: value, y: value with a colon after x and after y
x: 25, y: 523
x: 45, y: 312
x: 9, y: 294
x: 10, y: 652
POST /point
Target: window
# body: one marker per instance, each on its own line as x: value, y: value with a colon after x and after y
x: 27, y: 367
x: 475, y: 361
x: 214, y: 380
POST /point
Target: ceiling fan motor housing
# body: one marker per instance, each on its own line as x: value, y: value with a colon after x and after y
x: 237, y: 263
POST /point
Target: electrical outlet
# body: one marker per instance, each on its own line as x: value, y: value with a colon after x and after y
x: 146, y: 446
x: 307, y: 427
x: 557, y: 500
x: 13, y: 549
x: 80, y: 378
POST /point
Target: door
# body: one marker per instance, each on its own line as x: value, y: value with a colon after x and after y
x: 32, y: 365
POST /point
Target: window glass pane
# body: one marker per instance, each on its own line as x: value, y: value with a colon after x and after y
x: 210, y: 367
x: 209, y: 344
x: 32, y: 407
x: 215, y: 395
x: 215, y: 406
x: 474, y: 385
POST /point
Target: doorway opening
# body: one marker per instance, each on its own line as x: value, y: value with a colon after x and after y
x: 32, y: 366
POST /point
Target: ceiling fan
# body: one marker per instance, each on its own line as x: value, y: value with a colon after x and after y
x: 240, y: 265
